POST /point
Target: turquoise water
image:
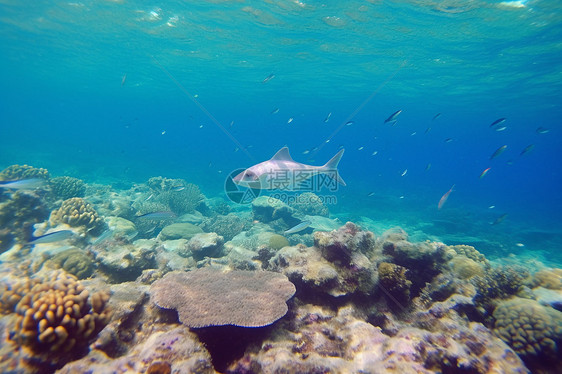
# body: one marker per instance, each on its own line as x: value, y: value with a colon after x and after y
x: 118, y: 91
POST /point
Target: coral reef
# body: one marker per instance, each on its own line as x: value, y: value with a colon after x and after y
x: 15, y: 172
x: 267, y: 209
x: 309, y: 203
x: 74, y: 261
x: 548, y: 278
x: 470, y: 252
x: 277, y: 242
x: 465, y: 268
x: 76, y: 212
x: 56, y: 316
x: 212, y: 297
x: 532, y: 330
x: 122, y: 262
x: 321, y: 340
x: 498, y: 283
x: 182, y: 230
x: 20, y: 213
x: 206, y: 245
x: 67, y: 187
x: 393, y: 279
x: 342, y: 244
x: 226, y: 226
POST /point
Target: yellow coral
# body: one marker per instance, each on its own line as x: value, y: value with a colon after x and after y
x: 466, y: 268
x: 470, y: 252
x: 528, y: 327
x: 15, y: 172
x: 551, y: 278
x: 59, y: 314
x: 77, y: 212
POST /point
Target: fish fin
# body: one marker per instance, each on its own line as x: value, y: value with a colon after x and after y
x: 282, y: 155
x: 332, y: 165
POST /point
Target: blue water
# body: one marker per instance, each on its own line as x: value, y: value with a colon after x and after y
x: 118, y: 91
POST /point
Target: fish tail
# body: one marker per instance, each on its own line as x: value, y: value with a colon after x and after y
x: 332, y: 166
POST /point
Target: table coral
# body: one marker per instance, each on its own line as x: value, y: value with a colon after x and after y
x: 56, y: 316
x: 531, y: 329
x: 212, y: 297
x: 77, y: 212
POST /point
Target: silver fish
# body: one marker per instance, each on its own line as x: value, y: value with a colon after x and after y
x: 158, y: 215
x: 52, y: 237
x: 24, y: 184
x: 498, y: 152
x: 268, y: 78
x: 436, y: 116
x: 301, y: 226
x: 327, y: 117
x: 498, y: 122
x: 542, y: 130
x: 393, y: 117
x: 527, y: 149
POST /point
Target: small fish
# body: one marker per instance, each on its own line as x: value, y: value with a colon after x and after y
x: 448, y: 140
x: 231, y: 123
x: 24, y: 184
x: 200, y: 126
x: 393, y: 117
x: 124, y: 79
x: 268, y: 78
x: 498, y: 122
x: 500, y: 219
x: 370, y: 194
x: 52, y: 237
x: 498, y: 152
x: 306, y: 152
x: 158, y: 215
x: 301, y: 226
x: 444, y: 198
x: 491, y: 207
x: 164, y: 132
x: 427, y: 167
x: 527, y: 149
x: 542, y: 130
x: 178, y: 188
x: 349, y: 123
x: 436, y: 116
x: 414, y: 133
x: 275, y: 111
x: 404, y: 172
x: 290, y: 120
x: 327, y: 117
x: 520, y: 244
x: 501, y: 128
x: 483, y: 174
x: 360, y: 148
x: 427, y: 130
x: 374, y: 153
x: 150, y: 197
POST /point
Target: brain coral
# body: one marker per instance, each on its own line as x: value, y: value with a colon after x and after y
x: 213, y: 297
x: 23, y: 172
x: 75, y: 261
x: 67, y: 187
x: 531, y: 329
x: 77, y: 212
x: 58, y: 314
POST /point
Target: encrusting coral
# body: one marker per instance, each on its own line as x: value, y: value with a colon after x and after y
x: 56, y: 316
x: 67, y: 187
x: 213, y: 297
x: 16, y: 172
x: 393, y: 279
x: 77, y: 212
x: 20, y: 213
x: 531, y: 329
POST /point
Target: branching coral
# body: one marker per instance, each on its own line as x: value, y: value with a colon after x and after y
x: 67, y: 187
x: 58, y: 315
x: 77, y: 212
x: 212, y: 297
